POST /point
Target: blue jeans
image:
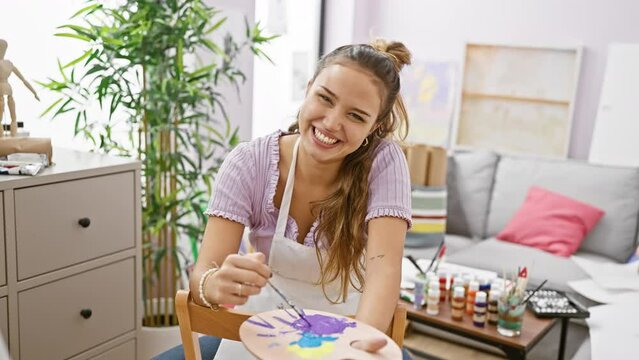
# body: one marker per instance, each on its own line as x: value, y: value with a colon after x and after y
x: 208, y: 347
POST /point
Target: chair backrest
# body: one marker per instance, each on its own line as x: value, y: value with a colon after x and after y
x: 225, y: 323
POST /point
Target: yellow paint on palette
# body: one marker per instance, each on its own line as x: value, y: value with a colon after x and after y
x: 428, y: 227
x: 312, y: 352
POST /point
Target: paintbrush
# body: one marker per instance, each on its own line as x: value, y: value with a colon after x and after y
x: 414, y: 262
x: 440, y: 257
x: 289, y: 302
x: 534, y: 291
x: 436, y: 255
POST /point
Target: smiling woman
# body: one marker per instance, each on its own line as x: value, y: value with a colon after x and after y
x: 328, y: 203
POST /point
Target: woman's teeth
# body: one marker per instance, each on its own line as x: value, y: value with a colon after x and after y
x: 323, y: 138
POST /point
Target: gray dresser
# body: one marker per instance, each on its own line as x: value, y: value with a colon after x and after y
x: 70, y: 257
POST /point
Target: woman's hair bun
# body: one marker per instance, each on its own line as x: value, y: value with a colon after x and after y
x: 396, y: 50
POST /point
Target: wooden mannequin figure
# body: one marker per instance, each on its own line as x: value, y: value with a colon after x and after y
x: 6, y: 68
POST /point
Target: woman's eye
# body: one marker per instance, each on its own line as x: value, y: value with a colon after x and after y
x: 325, y: 98
x: 357, y: 117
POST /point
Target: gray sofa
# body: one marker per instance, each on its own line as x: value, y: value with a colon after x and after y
x: 485, y: 190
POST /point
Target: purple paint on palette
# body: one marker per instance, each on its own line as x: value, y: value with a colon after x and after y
x: 322, y: 324
x: 284, y: 321
x: 264, y: 323
x: 287, y: 332
x: 266, y: 335
x: 292, y: 315
x: 272, y: 345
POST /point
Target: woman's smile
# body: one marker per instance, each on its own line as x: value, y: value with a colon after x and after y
x: 324, y: 139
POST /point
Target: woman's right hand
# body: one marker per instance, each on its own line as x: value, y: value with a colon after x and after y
x: 239, y: 277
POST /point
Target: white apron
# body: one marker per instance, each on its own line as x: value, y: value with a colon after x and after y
x: 295, y: 272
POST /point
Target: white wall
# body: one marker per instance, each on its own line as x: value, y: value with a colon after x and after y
x: 239, y: 105
x: 437, y: 30
x: 277, y: 93
x: 29, y: 25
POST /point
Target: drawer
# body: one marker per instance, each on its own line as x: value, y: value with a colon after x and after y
x: 124, y: 351
x: 3, y: 261
x: 49, y: 235
x: 4, y: 320
x: 50, y: 316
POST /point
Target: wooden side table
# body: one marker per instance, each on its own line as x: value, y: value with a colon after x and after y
x: 533, y: 330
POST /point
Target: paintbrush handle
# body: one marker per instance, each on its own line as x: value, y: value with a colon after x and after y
x: 414, y: 262
x: 439, y: 248
x: 534, y: 291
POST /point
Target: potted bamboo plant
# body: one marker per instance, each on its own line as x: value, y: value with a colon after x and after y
x: 155, y: 104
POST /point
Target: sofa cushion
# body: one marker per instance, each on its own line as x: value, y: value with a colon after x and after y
x: 469, y: 182
x: 551, y: 222
x: 429, y: 216
x: 615, y: 190
x: 500, y: 256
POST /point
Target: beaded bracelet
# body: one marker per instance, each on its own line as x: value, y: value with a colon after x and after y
x: 202, y: 285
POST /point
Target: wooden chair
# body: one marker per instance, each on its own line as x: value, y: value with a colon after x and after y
x: 225, y: 323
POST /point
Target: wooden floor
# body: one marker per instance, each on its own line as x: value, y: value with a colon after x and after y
x: 437, y: 348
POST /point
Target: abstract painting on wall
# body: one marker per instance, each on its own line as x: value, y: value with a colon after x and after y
x: 428, y: 89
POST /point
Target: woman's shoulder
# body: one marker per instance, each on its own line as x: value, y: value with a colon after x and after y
x: 390, y: 150
x: 389, y: 159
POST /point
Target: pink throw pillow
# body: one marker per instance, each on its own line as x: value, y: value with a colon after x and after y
x: 551, y: 222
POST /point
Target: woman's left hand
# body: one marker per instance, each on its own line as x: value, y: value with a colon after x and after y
x: 370, y: 345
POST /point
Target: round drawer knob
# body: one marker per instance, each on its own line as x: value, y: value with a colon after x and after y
x: 84, y: 222
x: 86, y: 313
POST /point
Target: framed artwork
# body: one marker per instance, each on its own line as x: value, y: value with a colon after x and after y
x: 428, y: 90
x: 517, y: 99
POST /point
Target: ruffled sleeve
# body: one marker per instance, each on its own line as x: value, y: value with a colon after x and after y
x: 233, y: 188
x: 389, y: 184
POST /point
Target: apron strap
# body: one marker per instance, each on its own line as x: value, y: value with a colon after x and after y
x: 282, y: 218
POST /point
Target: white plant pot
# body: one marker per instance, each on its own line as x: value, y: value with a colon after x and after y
x: 155, y: 340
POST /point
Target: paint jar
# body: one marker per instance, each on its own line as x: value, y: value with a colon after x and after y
x: 510, y: 315
x: 467, y: 278
x: 479, y: 315
x: 493, y: 299
x: 432, y: 303
x: 418, y: 292
x: 473, y: 288
x: 484, y: 285
x: 430, y: 276
x: 443, y: 282
x: 458, y: 304
x: 457, y: 282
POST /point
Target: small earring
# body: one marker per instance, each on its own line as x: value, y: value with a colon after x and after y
x: 365, y: 142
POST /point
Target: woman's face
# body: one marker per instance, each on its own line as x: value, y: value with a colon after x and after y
x: 339, y: 111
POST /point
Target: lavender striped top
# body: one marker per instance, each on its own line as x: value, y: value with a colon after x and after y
x: 245, y: 187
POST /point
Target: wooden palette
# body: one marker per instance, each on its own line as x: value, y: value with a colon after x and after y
x: 282, y: 334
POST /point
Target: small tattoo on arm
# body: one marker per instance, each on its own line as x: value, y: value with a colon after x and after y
x: 376, y: 257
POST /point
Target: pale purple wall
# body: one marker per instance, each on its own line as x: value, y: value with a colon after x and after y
x: 438, y: 29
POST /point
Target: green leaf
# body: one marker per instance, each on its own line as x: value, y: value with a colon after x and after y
x: 64, y: 76
x: 77, y: 60
x: 215, y: 26
x: 51, y: 107
x: 74, y: 36
x: 87, y: 9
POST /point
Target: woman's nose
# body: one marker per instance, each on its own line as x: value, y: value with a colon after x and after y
x: 332, y: 121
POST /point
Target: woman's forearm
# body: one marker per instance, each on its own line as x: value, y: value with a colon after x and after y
x: 381, y: 294
x: 383, y: 271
